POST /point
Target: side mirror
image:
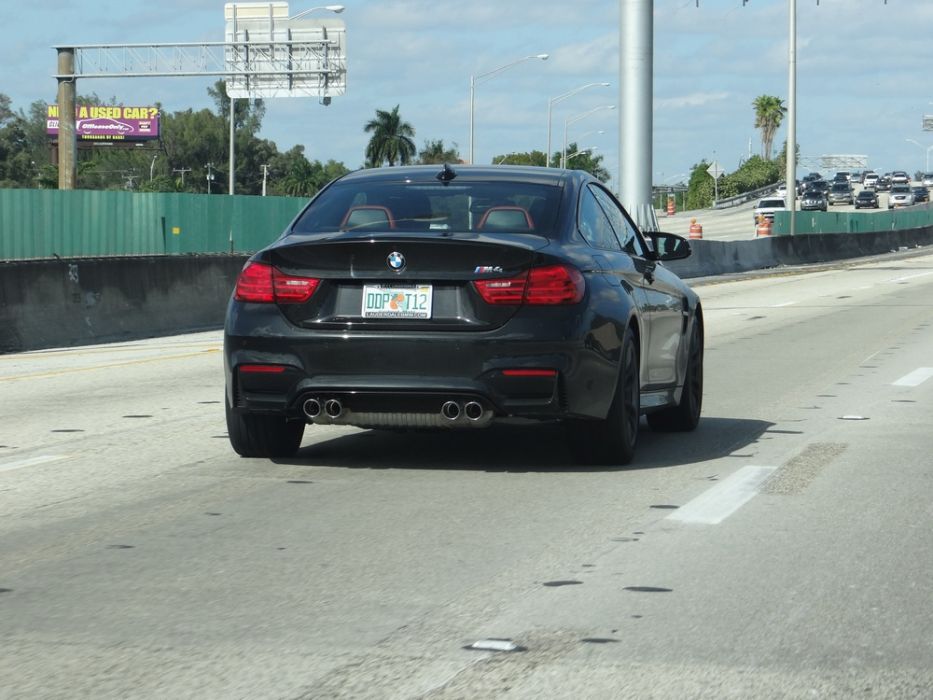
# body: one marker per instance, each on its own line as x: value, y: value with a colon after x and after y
x: 668, y: 246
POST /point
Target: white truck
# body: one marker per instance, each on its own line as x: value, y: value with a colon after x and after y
x: 767, y: 206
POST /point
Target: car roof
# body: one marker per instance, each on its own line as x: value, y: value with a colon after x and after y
x: 425, y: 173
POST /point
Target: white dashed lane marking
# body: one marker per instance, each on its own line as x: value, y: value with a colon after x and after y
x: 725, y: 498
x: 30, y: 462
x: 915, y: 378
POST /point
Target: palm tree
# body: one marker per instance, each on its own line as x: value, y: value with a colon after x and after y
x: 392, y: 139
x: 769, y: 113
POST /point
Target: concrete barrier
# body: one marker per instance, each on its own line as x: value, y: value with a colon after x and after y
x: 80, y: 301
x: 60, y: 303
x: 712, y: 258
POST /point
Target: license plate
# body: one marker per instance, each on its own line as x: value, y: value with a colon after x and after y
x: 397, y: 302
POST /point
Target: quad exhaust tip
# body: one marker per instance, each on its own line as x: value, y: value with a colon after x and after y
x: 450, y: 410
x: 311, y: 408
x: 333, y: 408
x: 473, y: 410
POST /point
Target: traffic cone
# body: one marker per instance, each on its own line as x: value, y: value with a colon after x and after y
x: 696, y: 231
x: 764, y: 227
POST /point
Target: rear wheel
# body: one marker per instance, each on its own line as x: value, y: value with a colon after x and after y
x: 685, y: 416
x: 253, y: 435
x: 612, y: 440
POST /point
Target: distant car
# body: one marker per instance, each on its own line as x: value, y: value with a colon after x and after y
x: 921, y: 194
x: 820, y: 186
x: 866, y: 199
x: 900, y: 196
x: 781, y: 190
x: 431, y: 297
x: 767, y: 206
x: 813, y: 200
x: 899, y: 177
x: 870, y: 181
x: 927, y: 179
x: 884, y: 183
x: 841, y: 193
x: 841, y: 176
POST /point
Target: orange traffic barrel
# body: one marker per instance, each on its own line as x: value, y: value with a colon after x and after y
x: 696, y: 231
x: 671, y: 207
x: 764, y: 227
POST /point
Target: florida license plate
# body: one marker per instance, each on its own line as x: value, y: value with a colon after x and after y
x: 397, y: 302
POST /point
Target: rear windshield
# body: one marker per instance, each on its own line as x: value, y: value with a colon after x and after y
x: 840, y: 188
x: 515, y: 207
x: 765, y: 203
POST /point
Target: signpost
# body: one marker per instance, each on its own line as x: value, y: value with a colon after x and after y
x: 265, y: 54
x: 715, y: 170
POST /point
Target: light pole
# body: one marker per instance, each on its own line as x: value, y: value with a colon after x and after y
x: 928, y: 149
x: 265, y: 176
x: 790, y: 174
x: 550, y: 104
x: 210, y: 176
x: 336, y: 9
x: 575, y: 118
x: 474, y: 79
x: 589, y: 149
x: 152, y: 166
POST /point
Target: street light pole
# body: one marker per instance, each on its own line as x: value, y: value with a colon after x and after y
x: 336, y: 9
x: 928, y: 149
x: 474, y: 79
x: 570, y: 120
x: 791, y: 165
x: 550, y: 104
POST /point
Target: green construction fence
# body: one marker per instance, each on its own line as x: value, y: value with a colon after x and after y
x: 88, y: 223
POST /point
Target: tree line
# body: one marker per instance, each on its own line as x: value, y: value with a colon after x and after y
x: 192, y: 152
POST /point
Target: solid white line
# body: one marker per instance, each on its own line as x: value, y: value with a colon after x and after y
x: 31, y: 462
x: 725, y: 498
x: 915, y: 378
x: 786, y: 303
x: 909, y: 277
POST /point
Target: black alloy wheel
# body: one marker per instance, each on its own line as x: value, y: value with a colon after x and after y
x: 253, y: 435
x: 685, y: 416
x: 611, y: 441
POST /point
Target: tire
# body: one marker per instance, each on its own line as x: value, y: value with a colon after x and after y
x: 253, y: 435
x: 685, y: 416
x: 611, y: 441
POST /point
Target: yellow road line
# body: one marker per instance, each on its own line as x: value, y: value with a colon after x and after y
x: 130, y: 363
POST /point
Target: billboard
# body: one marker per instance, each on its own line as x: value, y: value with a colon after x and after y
x: 927, y: 122
x: 109, y: 123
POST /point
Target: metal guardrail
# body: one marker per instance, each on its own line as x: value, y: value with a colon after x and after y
x: 740, y: 199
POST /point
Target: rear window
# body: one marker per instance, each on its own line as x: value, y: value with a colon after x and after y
x: 839, y: 187
x: 514, y: 207
x: 770, y: 203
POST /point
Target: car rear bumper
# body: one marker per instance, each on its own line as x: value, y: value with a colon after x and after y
x: 547, y: 364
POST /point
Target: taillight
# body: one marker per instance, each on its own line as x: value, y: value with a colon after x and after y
x: 261, y: 283
x: 550, y: 285
x: 529, y: 372
x: 557, y: 284
x: 502, y: 291
x: 262, y: 369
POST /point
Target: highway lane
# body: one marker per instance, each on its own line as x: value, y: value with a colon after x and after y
x: 779, y: 551
x: 737, y: 223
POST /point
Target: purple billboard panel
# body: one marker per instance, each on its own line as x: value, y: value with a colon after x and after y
x: 109, y: 123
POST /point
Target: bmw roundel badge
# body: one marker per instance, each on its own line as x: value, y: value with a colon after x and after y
x: 396, y: 261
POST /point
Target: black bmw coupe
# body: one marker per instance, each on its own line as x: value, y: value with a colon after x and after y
x: 450, y: 297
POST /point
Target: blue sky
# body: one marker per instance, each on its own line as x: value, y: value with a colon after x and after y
x: 865, y: 75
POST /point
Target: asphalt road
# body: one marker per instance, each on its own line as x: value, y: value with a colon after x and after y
x: 780, y: 551
x: 738, y: 223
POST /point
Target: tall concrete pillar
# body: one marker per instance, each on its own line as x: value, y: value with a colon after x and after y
x: 636, y: 96
x: 67, y: 147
